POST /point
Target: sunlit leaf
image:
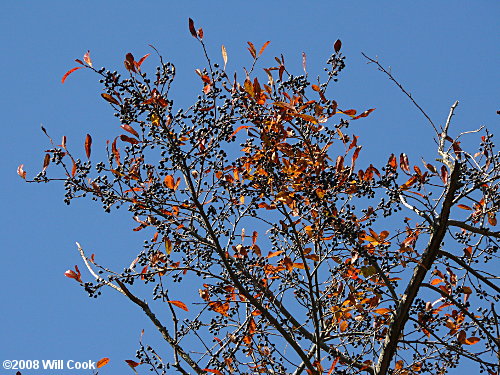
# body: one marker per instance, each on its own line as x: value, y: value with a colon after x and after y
x: 179, y: 304
x: 69, y: 72
x: 87, y: 58
x: 102, y: 362
x: 88, y: 145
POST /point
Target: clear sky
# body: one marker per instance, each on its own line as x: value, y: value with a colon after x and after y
x: 441, y: 51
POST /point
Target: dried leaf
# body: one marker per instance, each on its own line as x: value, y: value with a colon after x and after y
x: 88, y: 145
x: 130, y: 129
x: 179, y: 304
x: 130, y: 140
x: 192, y: 29
x: 102, y: 362
x: 46, y: 162
x: 131, y: 363
x: 21, y: 172
x: 263, y: 47
x: 87, y: 58
x: 464, y: 207
x: 337, y: 45
x: 168, y: 246
x: 110, y: 99
x: 224, y: 55
x: 69, y: 72
x: 403, y: 162
x: 252, y: 50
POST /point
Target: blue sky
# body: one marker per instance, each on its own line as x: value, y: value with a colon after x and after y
x: 440, y: 51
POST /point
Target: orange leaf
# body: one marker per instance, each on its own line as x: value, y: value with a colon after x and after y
x: 102, y: 362
x: 436, y: 281
x: 382, y: 311
x: 130, y: 129
x: 179, y: 304
x: 88, y: 145
x: 238, y: 129
x: 212, y: 371
x: 464, y: 207
x: 110, y: 99
x: 264, y: 47
x: 169, y: 181
x: 274, y: 254
x: 472, y: 340
x: 69, y: 72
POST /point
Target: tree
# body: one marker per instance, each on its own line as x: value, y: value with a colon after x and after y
x: 303, y: 262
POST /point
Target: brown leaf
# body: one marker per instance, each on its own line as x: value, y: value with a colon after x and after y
x: 46, y: 162
x: 110, y: 99
x: 130, y: 140
x: 88, y: 145
x: 337, y: 45
x: 130, y: 129
x: 252, y: 50
x: 464, y: 207
x: 263, y: 47
x: 192, y: 29
x: 403, y: 162
x: 69, y: 72
x: 102, y: 362
x: 131, y: 363
x: 179, y: 304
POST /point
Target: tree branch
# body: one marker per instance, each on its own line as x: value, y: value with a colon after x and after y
x: 399, y: 320
x: 470, y: 228
x: 144, y: 306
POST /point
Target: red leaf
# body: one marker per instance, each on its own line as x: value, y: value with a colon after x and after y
x: 88, y: 145
x: 349, y: 112
x: 179, y: 304
x: 69, y: 72
x: 139, y: 63
x: 264, y: 47
x: 130, y: 129
x: 102, y: 362
x: 337, y: 45
x: 192, y: 30
x: 21, y: 172
x: 87, y: 58
x: 131, y: 363
x: 125, y: 138
x: 110, y: 99
x: 130, y: 62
